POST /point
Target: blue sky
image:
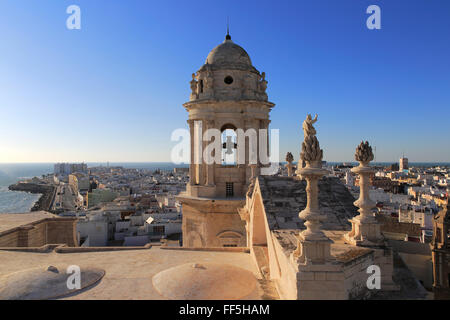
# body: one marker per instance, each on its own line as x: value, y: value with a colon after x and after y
x: 113, y: 91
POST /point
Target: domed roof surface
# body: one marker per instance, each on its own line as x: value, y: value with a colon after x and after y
x: 229, y: 54
x: 45, y: 283
x: 206, y: 281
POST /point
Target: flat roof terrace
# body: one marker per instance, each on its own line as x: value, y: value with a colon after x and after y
x: 129, y: 273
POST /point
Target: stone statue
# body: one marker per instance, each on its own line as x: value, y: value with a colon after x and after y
x: 311, y: 151
x: 194, y: 87
x: 263, y: 83
x: 289, y: 157
x: 208, y: 80
x: 289, y: 165
x: 308, y: 128
x: 364, y: 153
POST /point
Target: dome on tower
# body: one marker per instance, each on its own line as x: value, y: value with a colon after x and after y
x: 229, y: 55
x: 228, y: 74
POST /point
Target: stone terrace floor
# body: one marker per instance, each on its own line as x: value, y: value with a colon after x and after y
x: 128, y: 273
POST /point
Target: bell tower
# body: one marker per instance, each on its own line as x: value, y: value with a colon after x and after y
x: 228, y: 97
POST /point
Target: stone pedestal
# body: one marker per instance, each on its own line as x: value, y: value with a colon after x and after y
x: 313, y: 244
x: 289, y: 167
x: 365, y: 228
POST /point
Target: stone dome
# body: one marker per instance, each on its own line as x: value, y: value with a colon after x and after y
x: 43, y: 283
x: 229, y: 55
x: 205, y: 281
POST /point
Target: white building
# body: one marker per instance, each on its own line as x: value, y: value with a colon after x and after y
x: 403, y: 164
x: 92, y: 231
x: 68, y: 168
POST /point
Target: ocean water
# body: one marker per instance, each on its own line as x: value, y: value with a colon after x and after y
x: 10, y: 173
x: 16, y: 201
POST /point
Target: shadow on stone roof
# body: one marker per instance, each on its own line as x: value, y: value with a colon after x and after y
x: 285, y: 197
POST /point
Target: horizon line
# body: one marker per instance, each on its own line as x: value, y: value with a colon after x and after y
x: 53, y: 162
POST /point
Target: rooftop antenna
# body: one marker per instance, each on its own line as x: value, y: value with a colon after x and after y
x: 228, y: 37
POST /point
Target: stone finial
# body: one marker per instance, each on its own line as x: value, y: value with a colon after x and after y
x: 289, y: 157
x: 365, y: 228
x: 289, y: 165
x: 364, y: 152
x: 311, y: 151
x: 313, y: 244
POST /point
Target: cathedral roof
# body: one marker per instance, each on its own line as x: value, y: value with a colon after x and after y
x: 285, y: 197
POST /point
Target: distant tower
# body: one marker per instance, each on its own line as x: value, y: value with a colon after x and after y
x: 227, y: 93
x: 403, y: 164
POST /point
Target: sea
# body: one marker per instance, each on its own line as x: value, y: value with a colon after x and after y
x: 18, y: 202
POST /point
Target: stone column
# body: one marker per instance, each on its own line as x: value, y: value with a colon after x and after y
x: 210, y: 167
x: 201, y: 166
x: 313, y: 244
x: 264, y: 124
x: 192, y: 173
x: 250, y: 124
x: 365, y: 228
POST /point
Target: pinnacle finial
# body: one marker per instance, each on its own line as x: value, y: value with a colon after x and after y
x: 228, y: 37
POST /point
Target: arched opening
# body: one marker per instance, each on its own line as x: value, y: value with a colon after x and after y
x: 230, y: 238
x: 229, y: 144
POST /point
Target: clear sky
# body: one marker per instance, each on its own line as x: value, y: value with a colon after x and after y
x: 113, y: 91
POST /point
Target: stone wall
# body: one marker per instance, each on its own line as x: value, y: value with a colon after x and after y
x: 209, y: 223
x: 355, y: 273
x: 282, y: 271
x: 391, y: 224
x: 11, y: 239
x: 42, y: 232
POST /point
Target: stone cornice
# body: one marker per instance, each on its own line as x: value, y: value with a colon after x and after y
x: 216, y: 103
